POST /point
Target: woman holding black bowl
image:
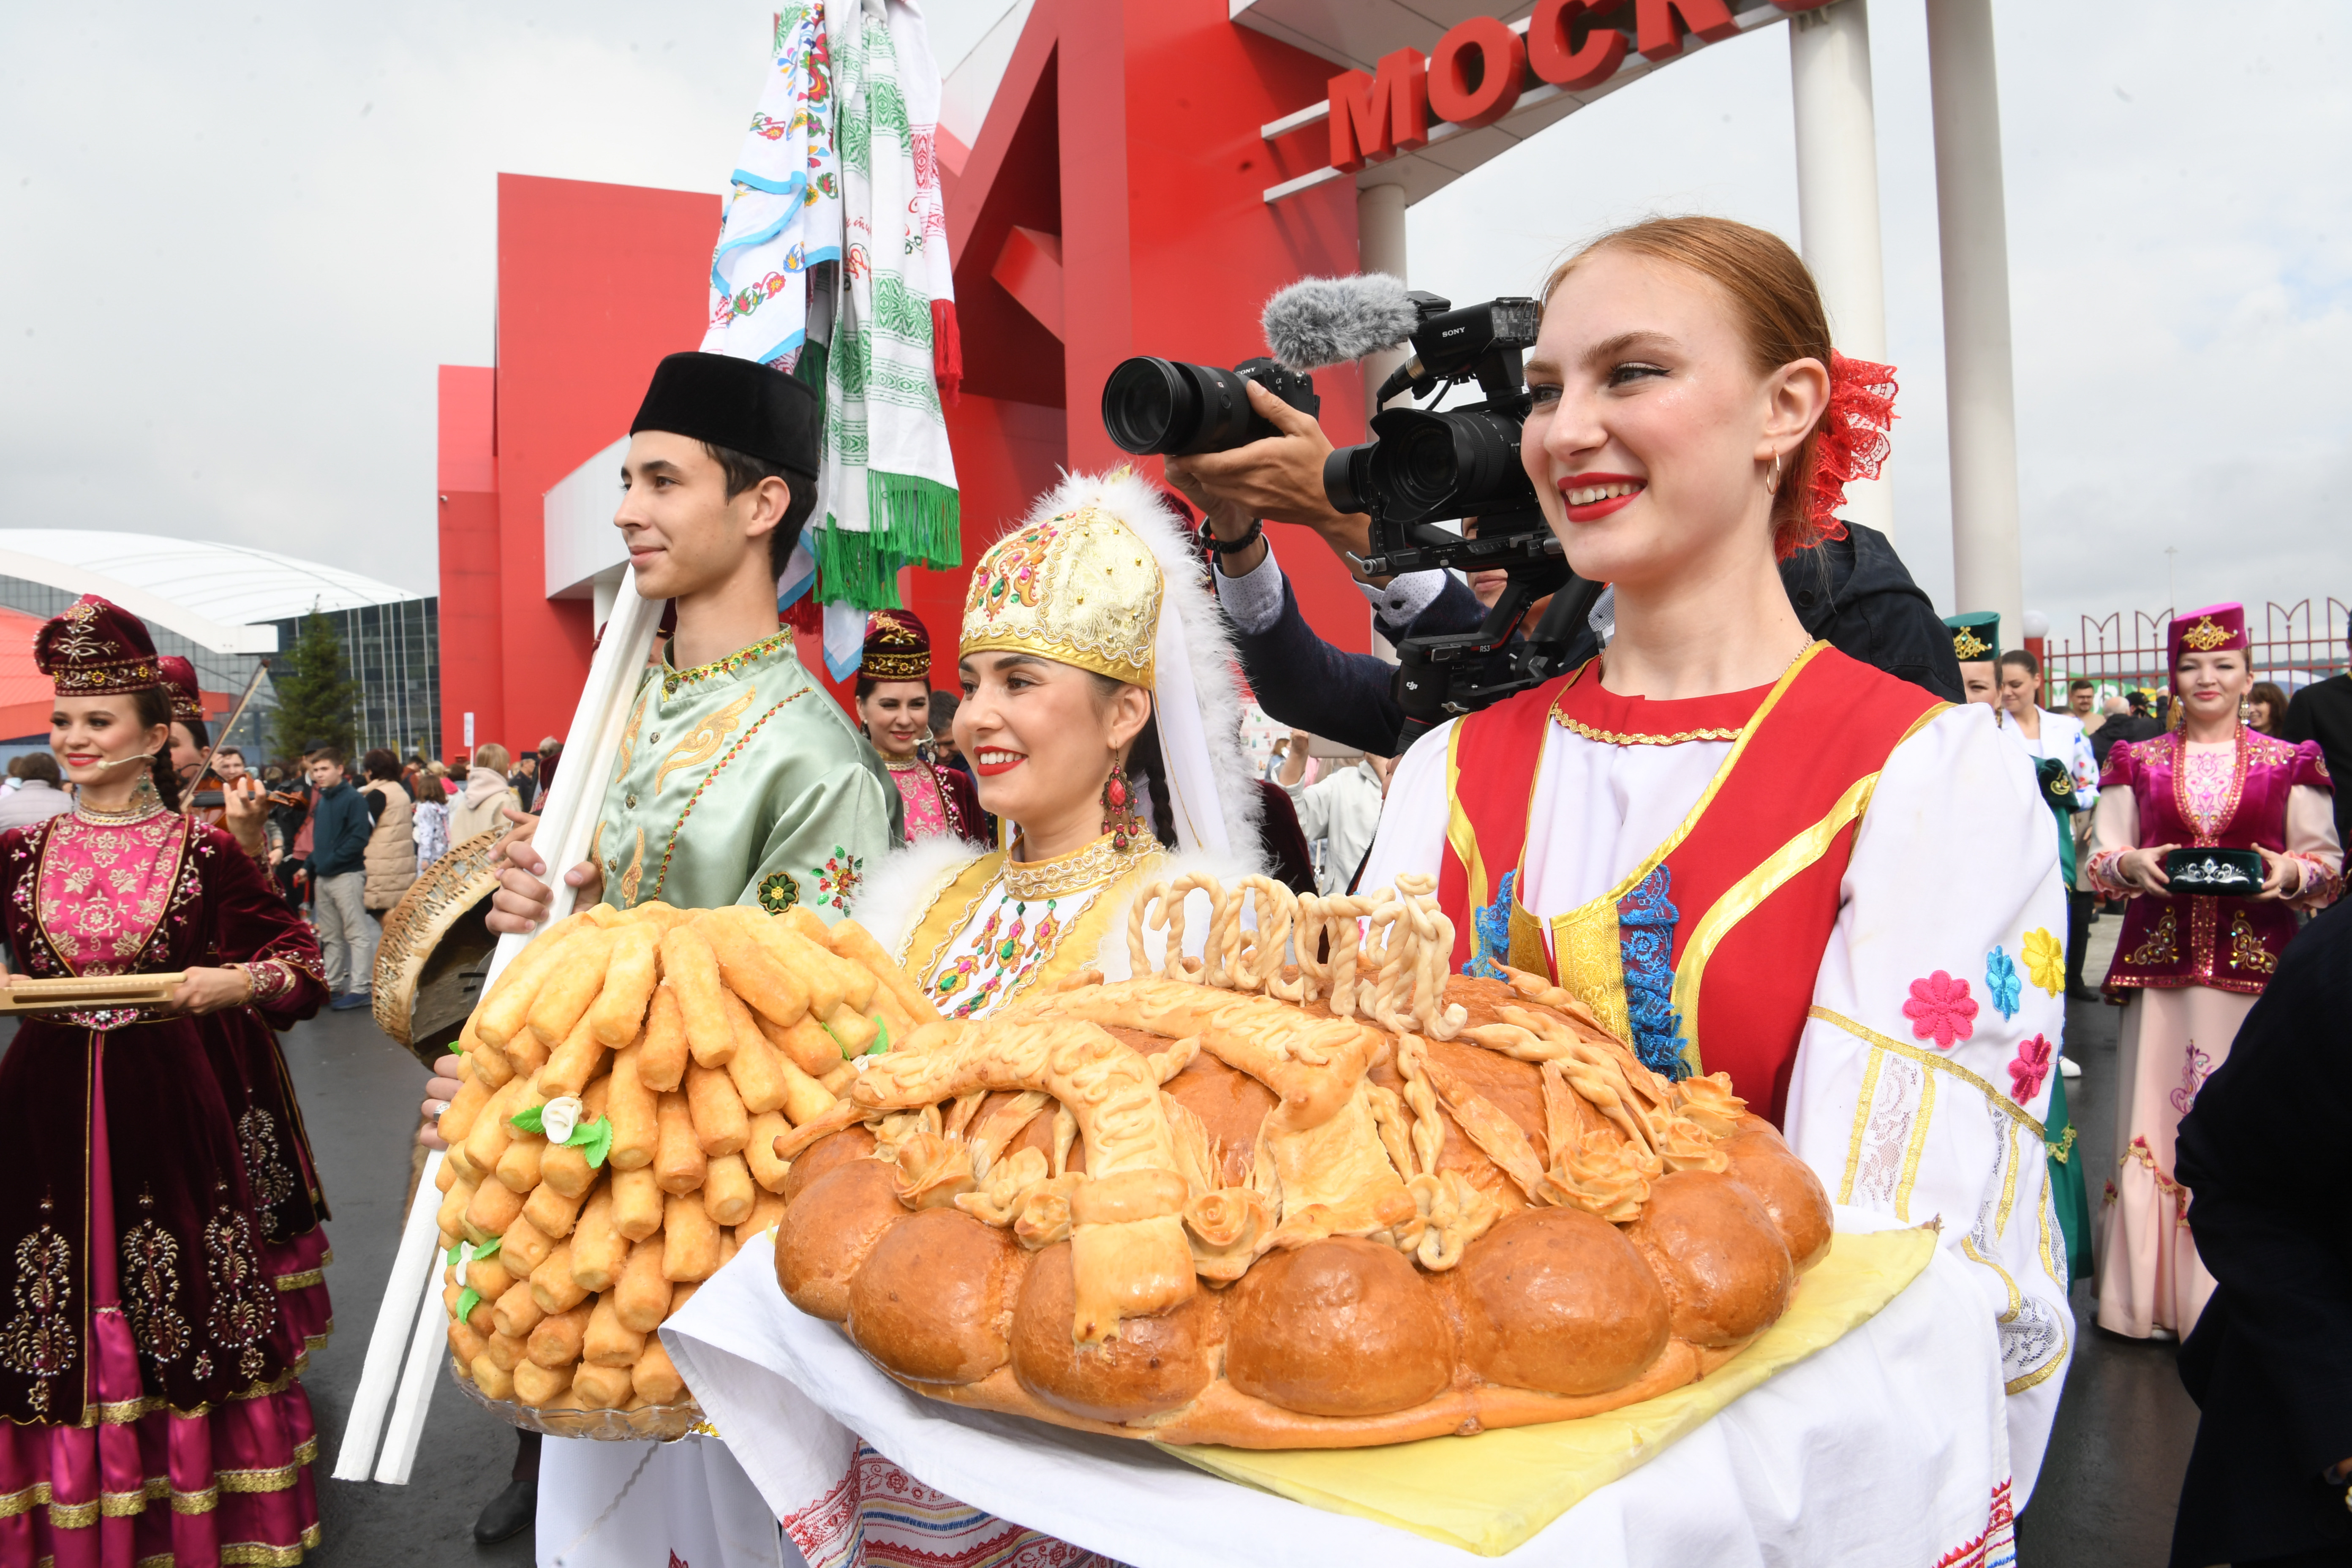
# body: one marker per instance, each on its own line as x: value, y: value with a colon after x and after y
x: 2210, y: 800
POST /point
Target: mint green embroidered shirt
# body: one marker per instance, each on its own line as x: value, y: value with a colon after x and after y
x: 743, y: 781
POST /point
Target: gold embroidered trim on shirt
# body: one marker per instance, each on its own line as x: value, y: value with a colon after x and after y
x: 1612, y: 738
x: 674, y: 678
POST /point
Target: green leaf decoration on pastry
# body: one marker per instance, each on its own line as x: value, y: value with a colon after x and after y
x: 882, y: 1037
x: 530, y: 1121
x: 595, y: 1139
x: 468, y: 1299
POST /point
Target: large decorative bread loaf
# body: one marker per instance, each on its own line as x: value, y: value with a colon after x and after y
x: 1357, y: 1203
x: 623, y: 1087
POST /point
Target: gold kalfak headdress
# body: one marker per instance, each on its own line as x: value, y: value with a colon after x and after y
x: 1079, y: 588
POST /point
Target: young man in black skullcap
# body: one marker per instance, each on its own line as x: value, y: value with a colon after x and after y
x: 739, y: 781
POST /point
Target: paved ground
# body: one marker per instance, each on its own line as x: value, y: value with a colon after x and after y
x: 2106, y: 1499
x: 359, y: 1097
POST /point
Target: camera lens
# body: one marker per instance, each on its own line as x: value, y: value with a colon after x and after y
x: 1166, y: 405
x: 1149, y: 406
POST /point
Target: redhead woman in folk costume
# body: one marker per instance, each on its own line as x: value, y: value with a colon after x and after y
x: 1746, y: 851
x: 147, y: 1367
x: 2188, y: 966
x: 894, y: 705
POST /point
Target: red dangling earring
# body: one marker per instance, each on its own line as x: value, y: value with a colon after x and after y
x: 1118, y: 807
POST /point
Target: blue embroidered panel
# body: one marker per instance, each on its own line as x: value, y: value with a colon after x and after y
x: 1490, y: 933
x: 1645, y: 945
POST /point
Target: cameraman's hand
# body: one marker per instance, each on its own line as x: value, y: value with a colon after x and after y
x: 1279, y: 478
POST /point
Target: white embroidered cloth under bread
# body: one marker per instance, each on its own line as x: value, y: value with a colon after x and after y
x: 1953, y: 873
x: 1874, y: 1451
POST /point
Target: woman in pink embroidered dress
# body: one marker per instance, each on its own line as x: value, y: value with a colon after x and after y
x: 2188, y: 966
x: 148, y: 1359
x: 894, y: 707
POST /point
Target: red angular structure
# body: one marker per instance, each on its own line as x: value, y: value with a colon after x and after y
x: 1112, y: 203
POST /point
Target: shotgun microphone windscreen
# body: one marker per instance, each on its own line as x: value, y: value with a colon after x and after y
x: 1328, y: 320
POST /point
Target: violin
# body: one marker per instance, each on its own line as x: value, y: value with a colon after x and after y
x: 210, y: 792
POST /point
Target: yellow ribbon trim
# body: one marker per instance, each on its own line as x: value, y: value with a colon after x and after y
x: 1888, y: 1043
x: 1589, y: 929
x: 1742, y: 897
x: 1459, y: 834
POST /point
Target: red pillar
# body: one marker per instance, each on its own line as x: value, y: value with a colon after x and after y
x: 596, y: 283
x: 473, y: 675
x: 1169, y: 246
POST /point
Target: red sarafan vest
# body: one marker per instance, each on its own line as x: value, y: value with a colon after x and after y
x: 1704, y: 958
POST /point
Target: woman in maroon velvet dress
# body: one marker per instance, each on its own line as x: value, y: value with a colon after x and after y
x: 148, y: 1360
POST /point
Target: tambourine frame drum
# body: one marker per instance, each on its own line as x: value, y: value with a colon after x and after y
x: 436, y: 950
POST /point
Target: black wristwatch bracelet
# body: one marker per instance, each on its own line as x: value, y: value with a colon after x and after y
x: 1209, y: 540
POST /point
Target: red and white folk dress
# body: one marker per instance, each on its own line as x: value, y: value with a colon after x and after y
x: 1837, y: 889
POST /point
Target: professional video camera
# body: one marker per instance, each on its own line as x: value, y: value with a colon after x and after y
x: 1429, y: 464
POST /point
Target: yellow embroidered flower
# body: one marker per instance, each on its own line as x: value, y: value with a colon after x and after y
x: 2046, y: 960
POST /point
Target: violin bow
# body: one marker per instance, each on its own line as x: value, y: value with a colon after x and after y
x: 260, y: 669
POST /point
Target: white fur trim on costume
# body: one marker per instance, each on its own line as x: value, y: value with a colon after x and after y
x: 1217, y: 805
x: 902, y: 887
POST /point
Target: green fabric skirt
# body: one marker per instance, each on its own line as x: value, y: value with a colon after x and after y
x: 2067, y: 1193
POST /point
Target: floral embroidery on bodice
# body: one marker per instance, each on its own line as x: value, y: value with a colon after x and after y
x: 2206, y: 775
x: 1013, y: 925
x: 104, y: 887
x: 926, y: 803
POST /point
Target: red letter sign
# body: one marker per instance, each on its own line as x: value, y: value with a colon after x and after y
x: 1663, y: 23
x: 1560, y: 58
x: 1373, y: 119
x: 1502, y: 65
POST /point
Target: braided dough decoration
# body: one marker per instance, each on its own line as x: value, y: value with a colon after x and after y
x: 1452, y: 1203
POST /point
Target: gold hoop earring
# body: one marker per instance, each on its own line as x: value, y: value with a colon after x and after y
x: 1773, y: 484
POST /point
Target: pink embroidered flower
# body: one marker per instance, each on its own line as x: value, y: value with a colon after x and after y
x: 2195, y: 1069
x: 1941, y: 1009
x: 2029, y: 1067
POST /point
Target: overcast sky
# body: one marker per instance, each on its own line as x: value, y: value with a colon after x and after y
x: 235, y: 243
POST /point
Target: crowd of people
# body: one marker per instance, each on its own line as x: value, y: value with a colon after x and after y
x: 1776, y: 820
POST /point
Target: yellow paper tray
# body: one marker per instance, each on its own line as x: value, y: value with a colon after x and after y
x: 1492, y: 1492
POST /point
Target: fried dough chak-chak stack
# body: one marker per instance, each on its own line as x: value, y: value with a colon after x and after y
x: 622, y: 1089
x: 1354, y: 1200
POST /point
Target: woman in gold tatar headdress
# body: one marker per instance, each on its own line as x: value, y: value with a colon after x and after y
x: 1101, y: 719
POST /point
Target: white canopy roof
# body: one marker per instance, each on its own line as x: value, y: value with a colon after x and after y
x: 216, y: 589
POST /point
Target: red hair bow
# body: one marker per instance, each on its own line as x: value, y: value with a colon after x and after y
x: 1853, y: 442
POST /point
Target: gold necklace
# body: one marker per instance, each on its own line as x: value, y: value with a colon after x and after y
x: 145, y: 803
x: 1086, y: 867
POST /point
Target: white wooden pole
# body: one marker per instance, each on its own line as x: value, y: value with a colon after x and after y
x: 412, y: 1268
x: 1837, y: 198
x: 1988, y: 571
x: 566, y: 827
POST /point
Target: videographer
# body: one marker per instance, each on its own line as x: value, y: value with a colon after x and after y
x: 1300, y: 679
x: 1852, y: 592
